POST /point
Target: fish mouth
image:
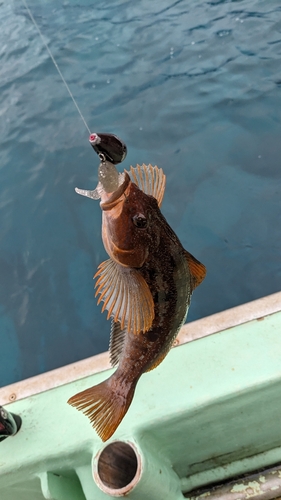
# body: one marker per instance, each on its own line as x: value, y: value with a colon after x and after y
x: 114, y: 199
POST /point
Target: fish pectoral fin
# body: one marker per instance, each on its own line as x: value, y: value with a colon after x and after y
x: 197, y: 270
x: 117, y: 337
x: 125, y: 295
x: 151, y: 180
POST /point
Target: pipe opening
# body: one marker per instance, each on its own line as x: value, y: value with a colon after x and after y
x: 117, y: 465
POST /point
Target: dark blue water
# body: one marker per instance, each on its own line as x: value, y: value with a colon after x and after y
x: 192, y: 86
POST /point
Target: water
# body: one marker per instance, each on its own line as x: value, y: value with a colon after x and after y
x: 194, y: 87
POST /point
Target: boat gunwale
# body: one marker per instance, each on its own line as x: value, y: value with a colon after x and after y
x: 210, y: 325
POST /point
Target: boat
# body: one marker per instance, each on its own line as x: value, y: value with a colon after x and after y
x: 205, y: 423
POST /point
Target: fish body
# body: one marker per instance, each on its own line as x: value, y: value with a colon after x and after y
x: 146, y: 287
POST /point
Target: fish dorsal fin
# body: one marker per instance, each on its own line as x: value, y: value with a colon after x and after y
x: 117, y: 337
x: 151, y: 180
x: 197, y: 270
x: 125, y: 295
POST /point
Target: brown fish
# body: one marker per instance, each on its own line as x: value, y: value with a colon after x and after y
x: 146, y: 287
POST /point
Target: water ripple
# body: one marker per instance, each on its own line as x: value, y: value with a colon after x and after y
x: 191, y: 86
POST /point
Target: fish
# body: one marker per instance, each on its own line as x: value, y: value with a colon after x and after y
x: 145, y: 286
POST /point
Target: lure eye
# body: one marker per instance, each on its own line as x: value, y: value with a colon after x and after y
x: 140, y: 221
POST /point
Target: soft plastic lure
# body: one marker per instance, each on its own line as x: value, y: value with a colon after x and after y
x: 111, y: 151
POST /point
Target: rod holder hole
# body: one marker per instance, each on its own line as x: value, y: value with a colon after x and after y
x: 117, y: 467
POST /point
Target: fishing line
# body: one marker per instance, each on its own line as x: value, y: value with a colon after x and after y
x: 55, y: 63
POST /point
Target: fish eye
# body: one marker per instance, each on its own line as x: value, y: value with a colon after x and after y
x: 140, y: 220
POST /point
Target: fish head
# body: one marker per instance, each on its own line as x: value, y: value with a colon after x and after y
x: 129, y: 228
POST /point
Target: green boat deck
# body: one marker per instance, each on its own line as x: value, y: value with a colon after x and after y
x: 208, y: 413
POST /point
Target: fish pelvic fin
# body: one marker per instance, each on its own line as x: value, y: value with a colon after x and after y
x: 105, y: 405
x: 197, y: 270
x: 151, y: 180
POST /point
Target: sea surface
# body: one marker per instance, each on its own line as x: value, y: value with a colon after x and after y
x: 193, y: 86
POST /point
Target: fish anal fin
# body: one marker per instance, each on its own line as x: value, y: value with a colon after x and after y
x: 117, y: 337
x: 151, y: 180
x: 197, y: 270
x: 104, y: 405
x: 126, y: 296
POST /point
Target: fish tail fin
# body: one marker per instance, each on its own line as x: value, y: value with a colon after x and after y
x: 105, y: 404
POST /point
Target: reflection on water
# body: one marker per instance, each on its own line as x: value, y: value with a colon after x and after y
x: 193, y: 87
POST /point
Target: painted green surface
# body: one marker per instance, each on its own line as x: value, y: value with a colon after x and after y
x: 209, y: 411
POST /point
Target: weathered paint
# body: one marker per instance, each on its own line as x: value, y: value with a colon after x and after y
x: 208, y: 413
x: 257, y: 487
